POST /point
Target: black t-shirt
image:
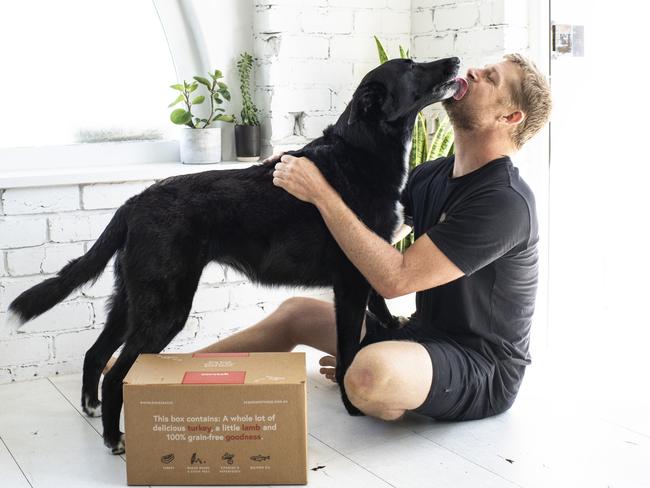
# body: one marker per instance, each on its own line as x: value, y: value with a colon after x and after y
x: 485, y: 223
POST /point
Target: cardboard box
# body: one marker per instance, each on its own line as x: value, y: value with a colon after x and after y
x: 216, y: 419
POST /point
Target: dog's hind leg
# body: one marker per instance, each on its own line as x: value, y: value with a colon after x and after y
x: 157, y: 312
x: 106, y: 344
x: 350, y: 299
x: 151, y: 339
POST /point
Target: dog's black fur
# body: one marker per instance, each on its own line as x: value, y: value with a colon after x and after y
x: 164, y: 236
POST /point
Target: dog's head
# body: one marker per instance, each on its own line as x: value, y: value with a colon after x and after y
x: 400, y: 88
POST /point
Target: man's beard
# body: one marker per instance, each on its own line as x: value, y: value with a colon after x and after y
x: 460, y: 115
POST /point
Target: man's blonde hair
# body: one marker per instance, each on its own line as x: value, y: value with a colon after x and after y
x: 532, y: 96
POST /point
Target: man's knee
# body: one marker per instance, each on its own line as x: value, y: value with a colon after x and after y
x: 293, y: 306
x: 387, y: 378
x: 368, y: 377
x: 294, y: 313
x: 289, y: 312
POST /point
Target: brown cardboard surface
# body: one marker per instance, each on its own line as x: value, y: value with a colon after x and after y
x: 218, y: 419
x: 260, y: 367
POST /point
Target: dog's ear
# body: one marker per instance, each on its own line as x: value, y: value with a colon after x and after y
x: 368, y: 99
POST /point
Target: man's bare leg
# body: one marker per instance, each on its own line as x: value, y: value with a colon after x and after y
x: 298, y: 320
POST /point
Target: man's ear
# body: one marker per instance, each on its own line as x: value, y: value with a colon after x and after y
x: 514, y: 118
x: 368, y: 98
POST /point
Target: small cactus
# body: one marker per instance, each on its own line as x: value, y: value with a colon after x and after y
x: 249, y: 110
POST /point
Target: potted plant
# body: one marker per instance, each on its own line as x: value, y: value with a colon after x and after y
x: 200, y: 143
x: 247, y: 134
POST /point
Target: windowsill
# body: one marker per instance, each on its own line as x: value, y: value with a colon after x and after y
x: 107, y: 174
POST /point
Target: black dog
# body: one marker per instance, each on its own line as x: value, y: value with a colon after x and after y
x: 164, y: 236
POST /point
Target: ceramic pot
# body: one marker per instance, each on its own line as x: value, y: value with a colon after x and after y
x: 247, y: 142
x: 200, y: 146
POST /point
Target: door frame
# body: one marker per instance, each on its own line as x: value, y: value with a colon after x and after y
x: 539, y: 21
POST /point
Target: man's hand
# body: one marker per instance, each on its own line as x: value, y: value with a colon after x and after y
x: 330, y: 367
x: 302, y: 178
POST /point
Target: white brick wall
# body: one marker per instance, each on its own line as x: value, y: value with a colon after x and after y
x: 68, y: 344
x: 22, y: 231
x: 3, y: 266
x: 110, y: 195
x: 310, y: 54
x: 58, y: 255
x: 479, y: 31
x: 327, y: 20
x: 28, y: 349
x: 40, y: 200
x: 78, y: 226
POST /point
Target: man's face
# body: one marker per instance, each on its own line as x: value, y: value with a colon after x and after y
x: 487, y: 98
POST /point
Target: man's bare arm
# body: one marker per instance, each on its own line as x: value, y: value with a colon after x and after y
x: 389, y: 272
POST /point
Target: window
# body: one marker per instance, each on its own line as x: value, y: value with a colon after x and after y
x: 75, y: 71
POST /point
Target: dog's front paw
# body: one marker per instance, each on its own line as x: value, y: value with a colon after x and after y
x: 117, y: 446
x: 401, y: 322
x: 395, y: 323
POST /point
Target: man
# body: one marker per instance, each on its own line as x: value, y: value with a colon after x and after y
x: 463, y: 353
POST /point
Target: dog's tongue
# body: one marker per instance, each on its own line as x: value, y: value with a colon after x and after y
x: 462, y: 87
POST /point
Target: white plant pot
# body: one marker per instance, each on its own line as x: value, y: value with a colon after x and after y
x: 200, y: 146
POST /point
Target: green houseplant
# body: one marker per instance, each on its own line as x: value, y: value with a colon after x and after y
x: 200, y: 143
x: 247, y: 134
x: 425, y: 146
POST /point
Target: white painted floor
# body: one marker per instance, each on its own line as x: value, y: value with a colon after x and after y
x: 562, y: 431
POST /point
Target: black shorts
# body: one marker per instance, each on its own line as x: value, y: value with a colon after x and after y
x: 465, y: 385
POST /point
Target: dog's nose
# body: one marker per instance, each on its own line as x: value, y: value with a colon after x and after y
x: 454, y: 60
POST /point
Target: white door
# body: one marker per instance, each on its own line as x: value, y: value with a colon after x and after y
x: 600, y: 190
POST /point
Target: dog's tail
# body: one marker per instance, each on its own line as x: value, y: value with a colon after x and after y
x: 40, y: 298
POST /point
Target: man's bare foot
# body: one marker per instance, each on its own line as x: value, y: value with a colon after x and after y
x: 330, y: 370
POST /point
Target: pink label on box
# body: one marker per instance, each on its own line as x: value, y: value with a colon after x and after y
x: 220, y: 354
x: 214, y: 377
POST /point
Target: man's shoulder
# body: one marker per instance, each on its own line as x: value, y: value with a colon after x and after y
x: 504, y: 184
x: 431, y: 167
x: 521, y: 200
x: 442, y: 161
x: 518, y: 184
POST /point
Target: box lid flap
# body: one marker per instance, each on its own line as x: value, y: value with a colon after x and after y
x: 262, y: 368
